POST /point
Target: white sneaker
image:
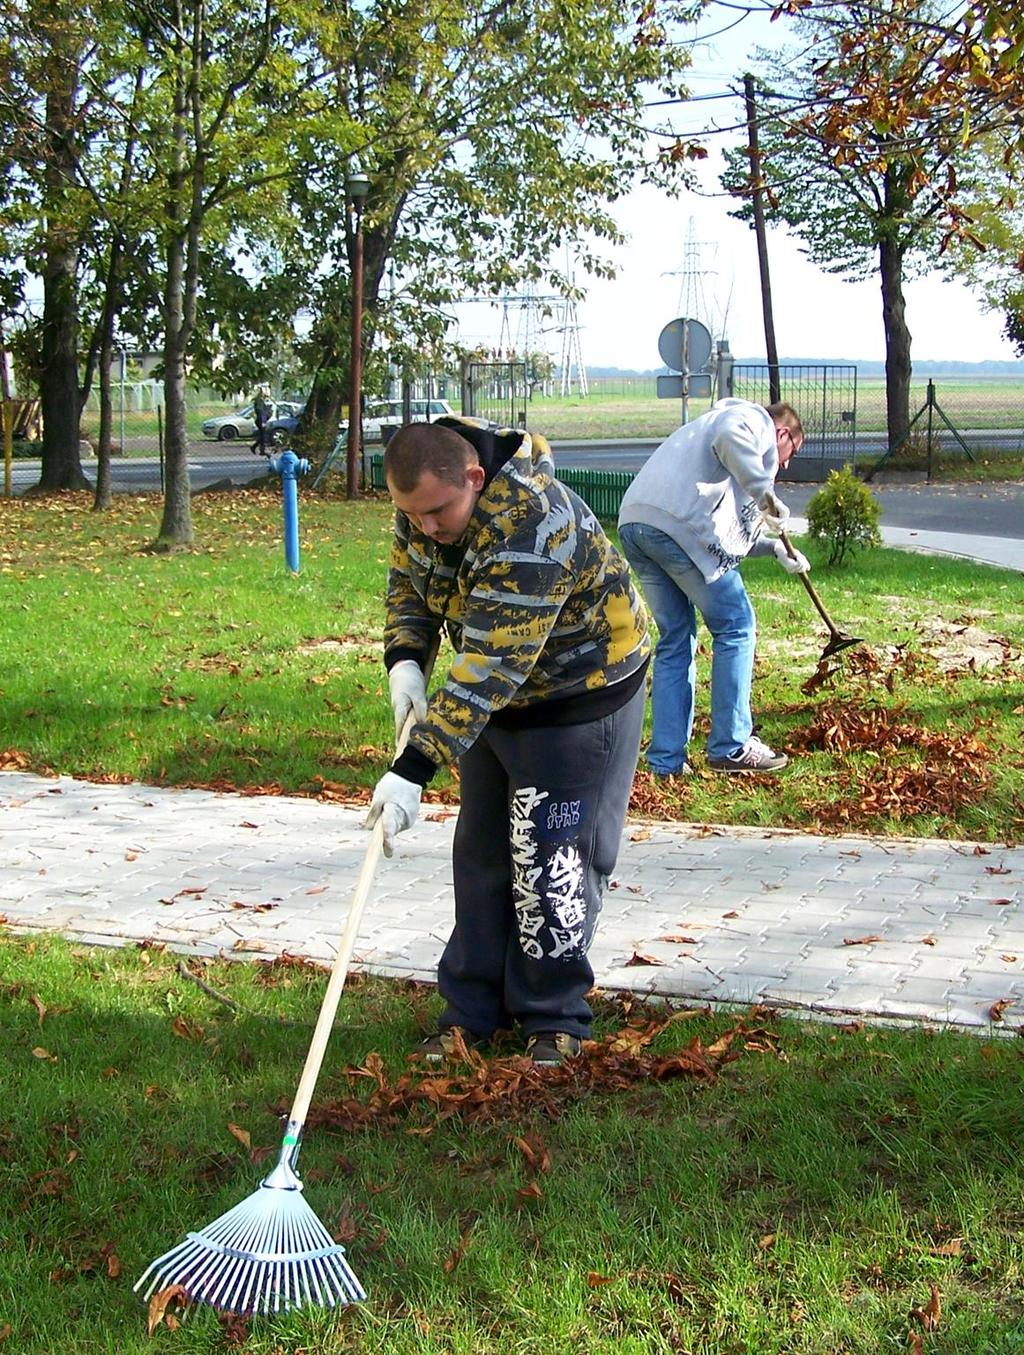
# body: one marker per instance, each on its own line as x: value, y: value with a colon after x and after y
x: 754, y: 756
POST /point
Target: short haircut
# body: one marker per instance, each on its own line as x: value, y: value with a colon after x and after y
x: 787, y: 416
x: 420, y: 447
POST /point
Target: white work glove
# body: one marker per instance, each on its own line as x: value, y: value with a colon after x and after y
x: 797, y: 563
x: 396, y: 802
x: 408, y: 693
x: 774, y: 513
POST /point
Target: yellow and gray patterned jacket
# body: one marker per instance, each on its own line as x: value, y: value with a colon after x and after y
x: 538, y: 604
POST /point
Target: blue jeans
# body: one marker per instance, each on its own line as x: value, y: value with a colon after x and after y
x: 676, y: 590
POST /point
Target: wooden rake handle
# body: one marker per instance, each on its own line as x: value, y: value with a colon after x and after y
x: 346, y: 945
x: 811, y: 590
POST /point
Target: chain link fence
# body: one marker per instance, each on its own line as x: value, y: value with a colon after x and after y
x: 845, y: 416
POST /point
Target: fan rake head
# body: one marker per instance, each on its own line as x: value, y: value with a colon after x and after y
x: 267, y: 1255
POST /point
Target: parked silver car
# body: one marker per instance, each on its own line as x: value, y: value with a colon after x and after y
x: 241, y: 423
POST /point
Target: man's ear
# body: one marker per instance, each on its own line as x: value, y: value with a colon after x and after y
x: 475, y: 477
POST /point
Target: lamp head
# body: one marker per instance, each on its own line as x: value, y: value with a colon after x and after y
x: 357, y: 185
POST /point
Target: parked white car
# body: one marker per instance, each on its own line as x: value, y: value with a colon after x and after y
x: 379, y: 413
x: 241, y: 423
x: 383, y: 413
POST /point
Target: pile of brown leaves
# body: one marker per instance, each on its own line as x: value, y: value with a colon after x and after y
x: 953, y: 771
x: 486, y: 1091
x: 657, y: 797
x: 842, y: 729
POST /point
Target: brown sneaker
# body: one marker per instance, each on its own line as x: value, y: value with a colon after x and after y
x: 550, y: 1048
x: 448, y: 1043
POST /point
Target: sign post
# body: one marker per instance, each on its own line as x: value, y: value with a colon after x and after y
x: 685, y: 348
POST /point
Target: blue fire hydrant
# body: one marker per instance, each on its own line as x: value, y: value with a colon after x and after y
x: 290, y: 467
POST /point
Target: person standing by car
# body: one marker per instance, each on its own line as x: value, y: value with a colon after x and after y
x: 542, y: 709
x: 695, y: 509
x: 262, y: 413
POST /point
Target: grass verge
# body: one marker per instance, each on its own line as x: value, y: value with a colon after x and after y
x: 217, y: 667
x: 717, y: 1184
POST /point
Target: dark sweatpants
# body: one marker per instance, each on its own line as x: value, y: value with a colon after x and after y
x: 541, y: 818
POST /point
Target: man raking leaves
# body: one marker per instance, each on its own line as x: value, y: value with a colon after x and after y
x: 541, y: 709
x: 698, y: 506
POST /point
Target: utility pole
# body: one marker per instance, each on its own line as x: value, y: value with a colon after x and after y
x: 756, y: 192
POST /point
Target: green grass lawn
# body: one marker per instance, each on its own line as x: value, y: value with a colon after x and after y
x: 736, y: 1185
x: 217, y: 667
x: 714, y: 1183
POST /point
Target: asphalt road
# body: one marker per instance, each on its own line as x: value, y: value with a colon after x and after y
x: 983, y: 509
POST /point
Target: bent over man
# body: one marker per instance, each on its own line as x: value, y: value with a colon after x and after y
x: 695, y: 509
x: 541, y: 708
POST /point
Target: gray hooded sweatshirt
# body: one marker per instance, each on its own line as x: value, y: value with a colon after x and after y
x: 704, y: 485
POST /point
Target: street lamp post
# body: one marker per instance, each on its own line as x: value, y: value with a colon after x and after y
x: 357, y: 185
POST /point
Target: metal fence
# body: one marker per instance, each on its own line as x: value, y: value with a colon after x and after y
x: 497, y: 391
x: 824, y: 396
x: 843, y: 411
x: 601, y: 490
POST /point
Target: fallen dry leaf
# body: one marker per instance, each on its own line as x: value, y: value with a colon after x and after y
x: 159, y: 1304
x: 995, y: 1012
x: 187, y: 1030
x: 594, y: 1280
x: 637, y: 959
x: 242, y: 1135
x: 930, y: 1315
x: 861, y: 940
x: 536, y: 1153
x: 454, y: 1258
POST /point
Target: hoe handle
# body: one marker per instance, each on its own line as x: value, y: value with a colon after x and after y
x: 339, y: 971
x: 811, y: 590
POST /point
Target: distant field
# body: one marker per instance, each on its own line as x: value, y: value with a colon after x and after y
x: 628, y: 407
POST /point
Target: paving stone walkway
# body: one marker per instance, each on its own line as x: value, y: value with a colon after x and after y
x: 839, y: 926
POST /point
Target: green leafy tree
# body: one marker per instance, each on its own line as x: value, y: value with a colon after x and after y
x: 866, y: 159
x: 492, y: 135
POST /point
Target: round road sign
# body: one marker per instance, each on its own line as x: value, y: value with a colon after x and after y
x: 685, y: 345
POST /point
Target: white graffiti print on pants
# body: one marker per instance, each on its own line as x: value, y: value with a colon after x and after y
x: 565, y: 928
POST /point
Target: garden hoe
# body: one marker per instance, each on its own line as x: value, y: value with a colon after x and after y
x: 838, y: 639
x: 271, y: 1252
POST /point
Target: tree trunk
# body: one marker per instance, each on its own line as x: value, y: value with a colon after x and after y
x: 897, y: 345
x: 176, y: 526
x: 182, y: 189
x: 111, y: 300
x: 58, y: 384
x: 104, y: 497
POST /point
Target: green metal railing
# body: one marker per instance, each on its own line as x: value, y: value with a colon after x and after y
x: 601, y: 490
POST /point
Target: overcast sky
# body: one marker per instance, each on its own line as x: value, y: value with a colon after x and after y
x: 686, y: 255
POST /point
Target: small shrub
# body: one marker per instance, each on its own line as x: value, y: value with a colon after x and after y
x: 844, y: 514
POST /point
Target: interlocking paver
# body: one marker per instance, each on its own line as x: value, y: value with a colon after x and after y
x: 767, y: 910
